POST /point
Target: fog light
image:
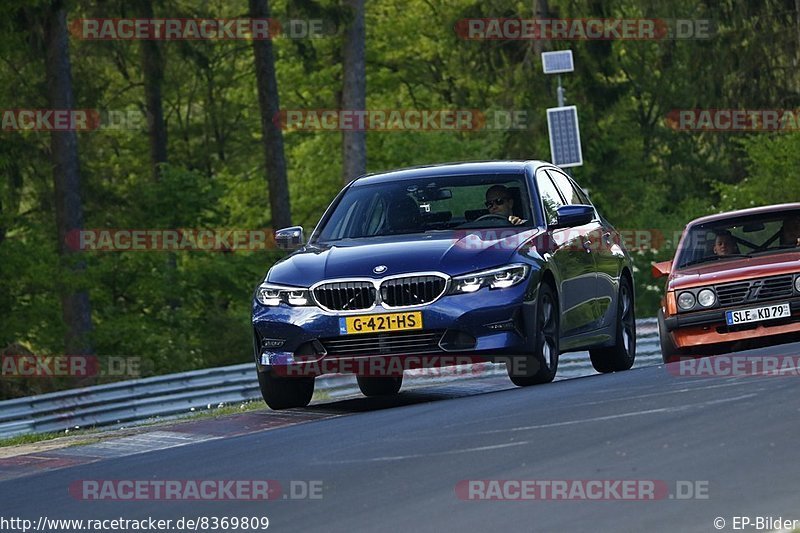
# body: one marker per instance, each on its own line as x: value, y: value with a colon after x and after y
x: 686, y: 300
x: 276, y: 358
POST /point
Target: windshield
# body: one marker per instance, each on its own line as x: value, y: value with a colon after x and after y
x: 429, y: 204
x: 740, y: 237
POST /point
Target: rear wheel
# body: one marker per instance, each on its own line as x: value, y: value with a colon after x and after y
x: 541, y: 364
x: 284, y: 393
x: 371, y: 386
x: 622, y: 354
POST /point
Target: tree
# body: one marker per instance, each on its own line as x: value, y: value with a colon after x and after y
x: 76, y: 308
x: 153, y: 69
x: 267, y: 83
x: 354, y: 91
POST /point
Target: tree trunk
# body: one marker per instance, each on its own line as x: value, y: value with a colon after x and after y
x: 270, y: 127
x: 75, y: 305
x: 153, y: 68
x: 354, y: 90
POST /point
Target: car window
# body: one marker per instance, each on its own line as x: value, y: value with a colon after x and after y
x: 551, y: 199
x: 568, y: 190
x: 434, y: 203
x: 766, y: 233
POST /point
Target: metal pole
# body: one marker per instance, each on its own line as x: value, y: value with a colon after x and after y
x: 560, y: 94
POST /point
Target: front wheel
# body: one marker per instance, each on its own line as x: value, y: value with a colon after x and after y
x: 621, y: 355
x: 669, y: 352
x: 540, y: 365
x: 371, y: 386
x: 284, y: 393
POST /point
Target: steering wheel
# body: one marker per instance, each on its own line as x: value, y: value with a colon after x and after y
x: 492, y: 215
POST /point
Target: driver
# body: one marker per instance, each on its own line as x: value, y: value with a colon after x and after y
x: 790, y: 232
x: 500, y: 202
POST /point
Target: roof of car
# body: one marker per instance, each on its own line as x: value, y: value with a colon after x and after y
x: 764, y: 209
x: 448, y: 169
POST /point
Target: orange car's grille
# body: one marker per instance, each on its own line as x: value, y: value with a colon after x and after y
x: 756, y: 290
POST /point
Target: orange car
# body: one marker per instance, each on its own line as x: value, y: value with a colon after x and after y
x: 734, y: 282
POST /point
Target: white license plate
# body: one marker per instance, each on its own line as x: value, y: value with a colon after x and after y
x: 757, y: 314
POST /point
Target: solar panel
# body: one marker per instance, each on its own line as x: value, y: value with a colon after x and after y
x: 565, y: 136
x: 557, y: 62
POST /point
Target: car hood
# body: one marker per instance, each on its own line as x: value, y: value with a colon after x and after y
x: 736, y: 270
x: 449, y: 253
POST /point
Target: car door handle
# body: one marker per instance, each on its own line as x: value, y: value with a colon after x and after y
x: 587, y: 245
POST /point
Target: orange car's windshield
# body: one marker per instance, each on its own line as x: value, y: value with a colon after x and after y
x: 766, y: 233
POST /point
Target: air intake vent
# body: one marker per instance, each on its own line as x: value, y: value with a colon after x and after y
x: 345, y: 295
x: 756, y: 290
x: 413, y: 290
x: 405, y: 343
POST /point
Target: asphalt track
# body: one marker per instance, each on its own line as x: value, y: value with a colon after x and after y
x: 394, y: 464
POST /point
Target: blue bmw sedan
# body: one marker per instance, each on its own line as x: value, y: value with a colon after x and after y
x: 445, y: 265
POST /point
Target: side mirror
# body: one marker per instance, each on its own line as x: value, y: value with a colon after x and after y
x: 569, y: 216
x: 290, y: 238
x: 662, y: 269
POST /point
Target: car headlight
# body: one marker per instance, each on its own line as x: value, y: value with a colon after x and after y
x: 706, y: 298
x: 797, y: 283
x: 686, y: 300
x: 272, y: 295
x: 496, y: 278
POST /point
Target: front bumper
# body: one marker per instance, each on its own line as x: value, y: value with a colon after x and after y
x: 704, y: 328
x: 486, y: 325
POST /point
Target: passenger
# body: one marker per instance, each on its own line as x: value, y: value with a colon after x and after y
x: 725, y: 244
x: 500, y: 202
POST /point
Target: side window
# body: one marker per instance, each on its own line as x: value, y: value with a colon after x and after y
x: 571, y: 192
x: 576, y: 196
x: 566, y: 187
x: 551, y: 200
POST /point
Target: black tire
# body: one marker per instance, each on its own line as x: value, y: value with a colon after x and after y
x: 622, y: 354
x: 669, y: 352
x: 284, y: 393
x: 383, y: 386
x: 541, y: 364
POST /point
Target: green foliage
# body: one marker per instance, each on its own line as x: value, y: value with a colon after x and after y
x: 773, y: 163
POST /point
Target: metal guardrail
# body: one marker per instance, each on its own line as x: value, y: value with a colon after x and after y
x: 175, y: 394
